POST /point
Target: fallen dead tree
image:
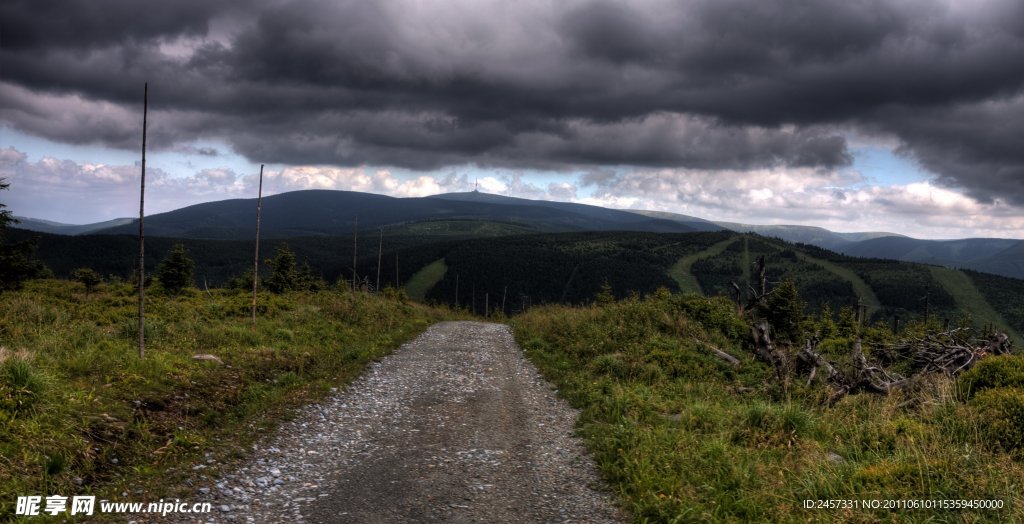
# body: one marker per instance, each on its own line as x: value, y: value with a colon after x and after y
x: 948, y: 353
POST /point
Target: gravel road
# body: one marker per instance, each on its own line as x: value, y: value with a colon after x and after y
x: 455, y: 426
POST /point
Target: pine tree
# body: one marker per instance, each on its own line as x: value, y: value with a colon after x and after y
x: 827, y: 325
x: 175, y: 271
x: 605, y: 296
x: 5, y: 215
x: 847, y: 322
x: 17, y: 260
x: 785, y: 311
x: 285, y: 276
x: 89, y: 278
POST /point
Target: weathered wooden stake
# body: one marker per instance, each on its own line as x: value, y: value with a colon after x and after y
x: 380, y: 252
x: 142, y: 234
x: 355, y: 237
x: 256, y: 256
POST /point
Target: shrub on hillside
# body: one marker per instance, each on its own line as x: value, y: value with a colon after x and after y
x: 1000, y: 413
x: 993, y: 372
x: 89, y: 278
x: 714, y: 314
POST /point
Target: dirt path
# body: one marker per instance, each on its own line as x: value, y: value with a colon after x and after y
x: 454, y: 426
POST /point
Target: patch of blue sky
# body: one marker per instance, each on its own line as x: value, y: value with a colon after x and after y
x: 883, y: 166
x: 189, y: 162
x: 182, y: 163
x: 36, y: 148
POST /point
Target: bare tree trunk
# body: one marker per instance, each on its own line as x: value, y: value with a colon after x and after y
x: 256, y: 257
x: 771, y: 353
x: 380, y: 252
x: 355, y: 238
x: 142, y: 231
x: 721, y: 354
x: 761, y: 275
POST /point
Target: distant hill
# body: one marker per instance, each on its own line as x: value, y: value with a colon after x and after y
x: 327, y: 213
x: 993, y: 255
x: 815, y: 236
x: 57, y: 228
x: 697, y: 224
x: 999, y: 256
x: 474, y: 214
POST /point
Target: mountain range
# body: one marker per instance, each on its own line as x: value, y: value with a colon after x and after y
x: 338, y: 213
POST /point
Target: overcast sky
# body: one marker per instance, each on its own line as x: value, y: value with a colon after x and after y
x: 903, y: 116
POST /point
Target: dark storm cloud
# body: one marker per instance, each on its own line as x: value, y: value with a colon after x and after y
x: 703, y: 84
x: 977, y: 145
x: 36, y: 25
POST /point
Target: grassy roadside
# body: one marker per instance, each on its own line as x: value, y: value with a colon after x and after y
x: 684, y: 437
x: 81, y: 414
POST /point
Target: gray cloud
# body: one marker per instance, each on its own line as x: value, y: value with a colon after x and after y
x: 704, y: 84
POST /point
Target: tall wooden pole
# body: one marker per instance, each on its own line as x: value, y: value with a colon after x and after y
x: 456, y: 290
x: 256, y: 256
x: 397, y: 286
x: 380, y: 252
x: 355, y: 237
x: 142, y: 231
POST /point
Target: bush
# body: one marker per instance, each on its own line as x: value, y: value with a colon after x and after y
x: 993, y: 372
x: 89, y: 278
x: 1000, y: 414
x: 714, y: 314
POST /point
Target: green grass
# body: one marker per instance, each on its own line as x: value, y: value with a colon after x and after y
x: 424, y: 279
x: 680, y: 271
x: 862, y: 288
x: 683, y: 437
x: 80, y: 413
x: 967, y: 296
